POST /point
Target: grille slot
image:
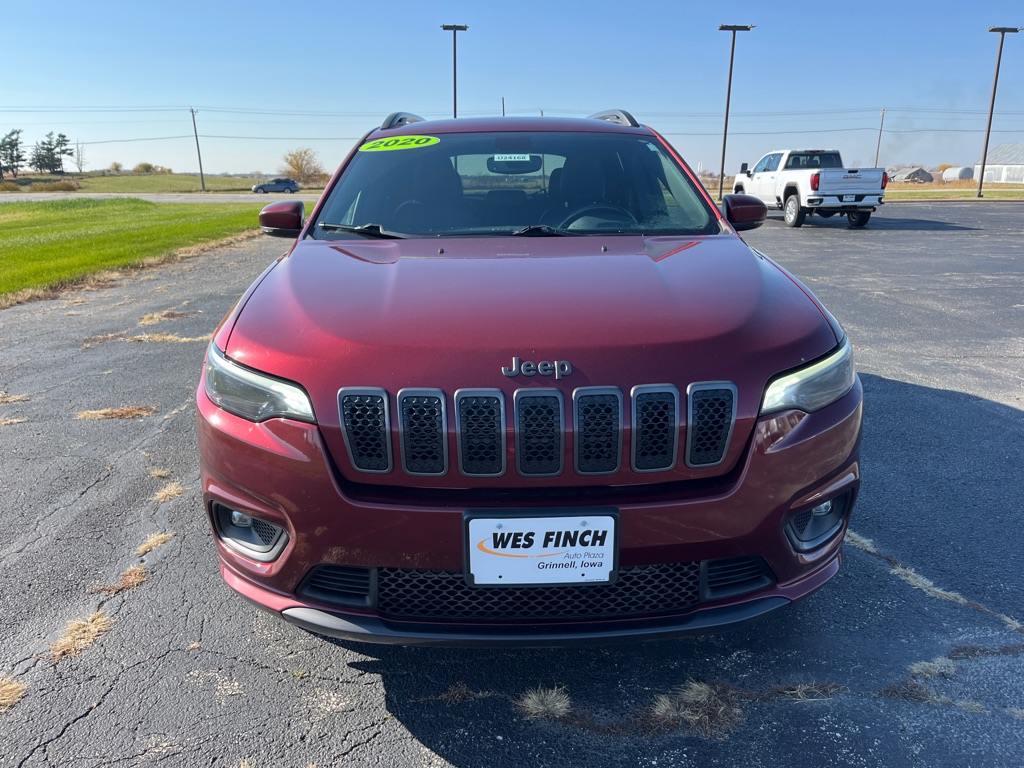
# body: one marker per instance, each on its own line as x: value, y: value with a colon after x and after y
x: 712, y: 414
x: 366, y: 427
x: 655, y: 427
x: 340, y: 585
x: 735, y: 576
x: 423, y: 431
x: 597, y: 418
x: 444, y: 595
x: 480, y: 426
x: 540, y: 432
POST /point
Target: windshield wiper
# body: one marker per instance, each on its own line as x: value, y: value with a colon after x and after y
x: 542, y: 230
x: 369, y: 230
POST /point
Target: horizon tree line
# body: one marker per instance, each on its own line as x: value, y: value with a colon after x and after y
x: 46, y: 156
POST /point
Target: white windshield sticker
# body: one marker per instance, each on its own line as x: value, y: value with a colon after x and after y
x: 512, y: 158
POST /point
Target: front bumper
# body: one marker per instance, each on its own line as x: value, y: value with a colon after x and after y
x: 279, y: 471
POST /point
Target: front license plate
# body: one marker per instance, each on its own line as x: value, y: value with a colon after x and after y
x: 515, y: 551
x: 849, y: 198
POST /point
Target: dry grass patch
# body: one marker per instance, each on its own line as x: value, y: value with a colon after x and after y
x: 9, y: 422
x: 153, y: 541
x: 909, y: 690
x: 159, y: 473
x: 937, y: 667
x: 149, y: 338
x: 914, y: 579
x: 79, y: 635
x: 6, y: 399
x: 168, y: 492
x: 124, y: 412
x: 459, y: 693
x: 860, y: 542
x: 11, y: 692
x: 129, y: 580
x: 970, y: 706
x: 805, y: 691
x: 1016, y: 713
x: 540, y: 702
x: 712, y: 711
x: 168, y: 314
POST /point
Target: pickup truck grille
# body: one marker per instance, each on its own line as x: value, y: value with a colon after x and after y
x: 538, y: 422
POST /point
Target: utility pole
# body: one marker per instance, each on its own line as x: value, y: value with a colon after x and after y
x: 734, y: 28
x: 1003, y: 31
x: 878, y: 146
x: 455, y: 29
x: 202, y: 178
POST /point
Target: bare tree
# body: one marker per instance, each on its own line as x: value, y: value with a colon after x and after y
x: 78, y: 158
x: 304, y: 166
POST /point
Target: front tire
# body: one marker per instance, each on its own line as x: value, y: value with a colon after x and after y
x: 858, y: 218
x: 793, y: 213
x: 260, y: 191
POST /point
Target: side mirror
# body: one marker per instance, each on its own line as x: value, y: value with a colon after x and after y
x: 744, y: 212
x: 743, y: 169
x: 284, y: 219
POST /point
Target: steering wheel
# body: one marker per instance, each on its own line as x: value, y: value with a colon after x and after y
x: 598, y: 209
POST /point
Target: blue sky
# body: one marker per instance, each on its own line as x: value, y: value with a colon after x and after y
x: 267, y: 77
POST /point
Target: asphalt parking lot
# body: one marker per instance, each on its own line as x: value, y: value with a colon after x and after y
x: 912, y: 656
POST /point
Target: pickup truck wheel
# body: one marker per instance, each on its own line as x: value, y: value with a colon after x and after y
x: 793, y: 213
x: 858, y: 218
x: 826, y: 214
x: 738, y: 190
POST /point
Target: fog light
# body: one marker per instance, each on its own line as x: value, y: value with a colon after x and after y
x: 814, y: 527
x: 822, y: 509
x: 254, y: 537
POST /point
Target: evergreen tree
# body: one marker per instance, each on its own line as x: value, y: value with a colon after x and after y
x: 12, y: 153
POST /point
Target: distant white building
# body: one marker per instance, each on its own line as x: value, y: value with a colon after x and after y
x: 1005, y: 164
x: 911, y: 174
x: 963, y: 173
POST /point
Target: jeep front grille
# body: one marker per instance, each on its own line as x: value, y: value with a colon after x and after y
x: 539, y: 423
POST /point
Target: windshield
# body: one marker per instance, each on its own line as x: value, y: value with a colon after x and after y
x: 515, y: 183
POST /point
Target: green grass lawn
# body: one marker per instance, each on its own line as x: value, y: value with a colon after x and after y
x: 53, y: 243
x: 133, y: 184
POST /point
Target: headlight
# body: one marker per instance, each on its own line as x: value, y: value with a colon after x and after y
x: 251, y: 395
x: 812, y: 388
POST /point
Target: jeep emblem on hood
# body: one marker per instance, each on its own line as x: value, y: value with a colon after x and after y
x: 559, y: 368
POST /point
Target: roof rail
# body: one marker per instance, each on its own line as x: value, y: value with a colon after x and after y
x: 396, y: 119
x: 617, y: 116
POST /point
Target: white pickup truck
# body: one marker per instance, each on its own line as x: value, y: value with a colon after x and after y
x: 805, y: 181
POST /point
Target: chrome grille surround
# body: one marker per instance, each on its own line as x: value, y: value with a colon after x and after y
x: 480, y: 432
x: 540, y: 432
x: 597, y: 426
x: 710, y: 419
x: 655, y: 434
x: 423, y: 431
x: 366, y: 426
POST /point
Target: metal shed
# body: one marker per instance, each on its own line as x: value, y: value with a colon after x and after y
x: 963, y: 173
x: 1005, y: 164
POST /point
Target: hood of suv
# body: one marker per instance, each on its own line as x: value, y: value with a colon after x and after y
x: 451, y: 314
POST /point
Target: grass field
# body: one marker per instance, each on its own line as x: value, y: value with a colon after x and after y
x: 132, y: 184
x: 52, y: 244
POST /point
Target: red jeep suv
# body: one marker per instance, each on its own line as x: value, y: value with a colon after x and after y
x: 519, y: 381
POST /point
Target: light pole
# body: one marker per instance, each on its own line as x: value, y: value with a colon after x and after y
x: 455, y: 29
x: 992, y: 104
x: 734, y: 28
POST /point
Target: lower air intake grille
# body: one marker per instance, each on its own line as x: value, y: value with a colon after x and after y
x: 444, y: 595
x: 735, y: 576
x: 339, y: 584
